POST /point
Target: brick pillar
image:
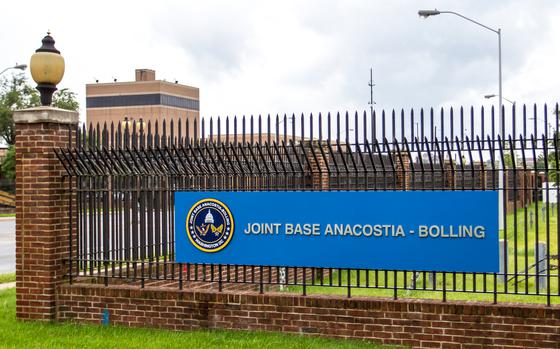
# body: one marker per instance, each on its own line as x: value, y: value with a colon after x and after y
x: 402, y: 170
x: 506, y: 191
x: 318, y: 168
x: 42, y: 211
x: 319, y: 173
x: 523, y: 184
x: 448, y: 175
x: 482, y: 179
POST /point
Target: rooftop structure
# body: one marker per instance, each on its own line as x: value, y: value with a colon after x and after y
x: 145, y: 99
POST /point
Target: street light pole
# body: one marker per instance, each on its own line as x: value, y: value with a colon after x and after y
x: 501, y: 122
x: 371, y: 84
x: 501, y: 131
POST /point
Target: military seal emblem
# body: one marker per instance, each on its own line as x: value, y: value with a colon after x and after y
x: 209, y: 225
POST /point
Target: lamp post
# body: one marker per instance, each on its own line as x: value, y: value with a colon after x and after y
x: 17, y: 66
x: 429, y: 13
x: 47, y: 69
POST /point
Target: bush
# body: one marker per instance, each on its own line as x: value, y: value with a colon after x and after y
x: 9, y: 164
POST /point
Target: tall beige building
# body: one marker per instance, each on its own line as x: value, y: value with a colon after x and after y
x: 145, y: 99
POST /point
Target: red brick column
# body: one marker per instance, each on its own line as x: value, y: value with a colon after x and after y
x: 448, y: 176
x: 402, y: 170
x: 482, y: 178
x: 320, y: 172
x: 42, y: 212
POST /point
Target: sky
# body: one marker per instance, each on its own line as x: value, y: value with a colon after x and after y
x: 260, y: 57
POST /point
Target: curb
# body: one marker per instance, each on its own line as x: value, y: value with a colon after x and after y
x: 7, y: 285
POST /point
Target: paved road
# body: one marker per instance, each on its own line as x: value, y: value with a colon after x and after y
x: 7, y: 246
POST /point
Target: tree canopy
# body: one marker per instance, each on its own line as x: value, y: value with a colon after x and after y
x: 16, y: 93
x: 552, y: 157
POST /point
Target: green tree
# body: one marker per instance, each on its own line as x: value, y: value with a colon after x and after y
x: 16, y: 93
x: 549, y: 165
x: 553, y: 148
x: 510, y: 160
x: 9, y: 164
x: 65, y: 99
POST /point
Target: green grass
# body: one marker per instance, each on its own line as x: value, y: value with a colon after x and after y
x: 17, y: 334
x: 437, y: 295
x: 525, y: 238
x: 525, y: 257
x: 5, y: 278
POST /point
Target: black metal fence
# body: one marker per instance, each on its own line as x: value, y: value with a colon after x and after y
x: 122, y: 177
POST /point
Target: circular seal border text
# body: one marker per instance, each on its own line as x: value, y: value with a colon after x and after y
x: 189, y: 233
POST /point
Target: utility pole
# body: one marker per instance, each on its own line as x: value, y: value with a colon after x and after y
x: 371, y: 84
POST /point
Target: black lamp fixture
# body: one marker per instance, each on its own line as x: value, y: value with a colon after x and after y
x: 47, y: 69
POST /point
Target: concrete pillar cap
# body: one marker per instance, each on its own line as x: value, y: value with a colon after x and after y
x: 46, y: 114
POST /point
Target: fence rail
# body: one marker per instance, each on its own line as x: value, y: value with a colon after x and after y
x: 122, y: 177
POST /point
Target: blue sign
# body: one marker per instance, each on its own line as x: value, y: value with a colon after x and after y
x: 405, y: 230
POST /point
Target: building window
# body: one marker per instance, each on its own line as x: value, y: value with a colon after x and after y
x: 140, y: 100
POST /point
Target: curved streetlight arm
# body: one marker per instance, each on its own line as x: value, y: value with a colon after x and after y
x: 497, y: 31
x: 492, y: 96
x: 17, y: 66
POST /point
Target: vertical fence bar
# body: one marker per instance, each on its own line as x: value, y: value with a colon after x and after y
x: 71, y: 213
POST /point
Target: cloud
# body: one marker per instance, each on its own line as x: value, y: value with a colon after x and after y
x: 214, y: 35
x: 251, y: 57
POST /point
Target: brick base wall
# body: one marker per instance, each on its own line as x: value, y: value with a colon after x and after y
x: 415, y: 323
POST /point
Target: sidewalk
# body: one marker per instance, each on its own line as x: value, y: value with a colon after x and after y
x: 7, y: 285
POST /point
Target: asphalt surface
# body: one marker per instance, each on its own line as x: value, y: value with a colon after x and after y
x: 7, y: 245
